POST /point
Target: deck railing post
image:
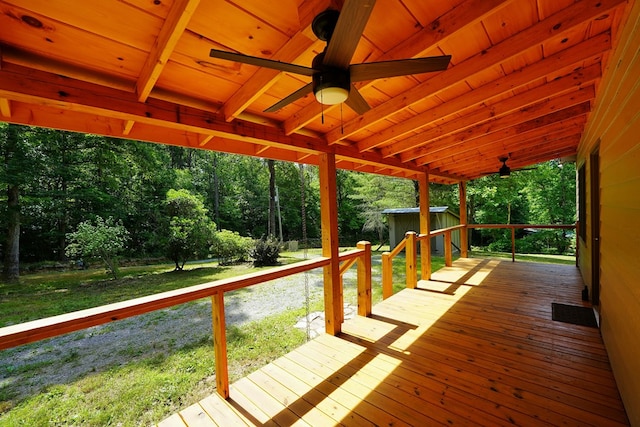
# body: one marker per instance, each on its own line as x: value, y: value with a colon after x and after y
x: 448, y: 260
x: 411, y: 260
x: 364, y: 279
x: 513, y: 244
x: 387, y: 275
x: 220, y: 344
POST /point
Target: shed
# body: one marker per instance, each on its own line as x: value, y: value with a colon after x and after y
x: 402, y: 220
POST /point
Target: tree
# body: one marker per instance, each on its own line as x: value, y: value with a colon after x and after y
x: 190, y: 229
x: 105, y: 239
x: 19, y: 167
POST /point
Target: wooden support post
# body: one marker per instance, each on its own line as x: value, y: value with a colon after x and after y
x: 448, y: 260
x: 425, y: 227
x: 329, y: 218
x: 464, y: 239
x: 220, y: 344
x: 387, y: 275
x: 513, y: 244
x: 411, y: 260
x: 364, y: 279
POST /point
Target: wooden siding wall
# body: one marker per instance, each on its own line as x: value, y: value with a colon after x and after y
x: 615, y: 123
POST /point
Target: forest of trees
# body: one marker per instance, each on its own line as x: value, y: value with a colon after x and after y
x: 53, y: 181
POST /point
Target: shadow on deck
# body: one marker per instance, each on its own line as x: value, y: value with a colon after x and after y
x: 474, y: 345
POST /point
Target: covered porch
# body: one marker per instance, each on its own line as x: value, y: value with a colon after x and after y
x: 476, y: 344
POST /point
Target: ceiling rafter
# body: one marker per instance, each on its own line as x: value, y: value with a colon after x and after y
x: 545, y: 30
x: 173, y: 27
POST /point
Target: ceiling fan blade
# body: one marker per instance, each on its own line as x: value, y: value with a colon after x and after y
x: 383, y: 69
x: 351, y: 22
x: 300, y: 93
x: 261, y: 62
x: 356, y: 102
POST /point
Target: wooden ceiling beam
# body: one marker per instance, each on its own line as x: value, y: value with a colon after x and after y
x: 557, y: 108
x: 561, y: 85
x: 173, y: 27
x: 483, y: 94
x: 551, y: 27
x: 467, y: 13
x: 45, y: 89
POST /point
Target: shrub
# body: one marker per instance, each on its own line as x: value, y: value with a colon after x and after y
x: 230, y: 246
x: 266, y: 252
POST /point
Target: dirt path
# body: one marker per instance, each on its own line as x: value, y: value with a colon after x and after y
x: 28, y: 369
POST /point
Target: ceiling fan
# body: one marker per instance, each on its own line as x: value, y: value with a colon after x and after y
x: 505, y: 171
x: 331, y: 72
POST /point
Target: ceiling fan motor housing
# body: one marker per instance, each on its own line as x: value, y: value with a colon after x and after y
x: 330, y: 84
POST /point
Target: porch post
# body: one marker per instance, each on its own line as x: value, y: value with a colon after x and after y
x: 329, y: 218
x: 464, y: 236
x: 425, y: 226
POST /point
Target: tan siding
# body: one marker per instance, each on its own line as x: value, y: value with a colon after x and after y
x: 616, y: 123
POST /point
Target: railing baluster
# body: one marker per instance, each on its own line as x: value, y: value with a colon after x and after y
x: 220, y: 344
x: 448, y: 258
x: 364, y: 279
x: 411, y: 260
x: 387, y: 275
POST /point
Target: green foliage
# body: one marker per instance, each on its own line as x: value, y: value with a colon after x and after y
x: 230, y: 246
x: 266, y: 252
x: 190, y: 231
x: 104, y: 239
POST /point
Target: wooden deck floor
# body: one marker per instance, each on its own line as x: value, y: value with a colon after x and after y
x: 474, y: 346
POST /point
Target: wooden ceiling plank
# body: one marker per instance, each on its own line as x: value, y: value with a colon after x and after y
x: 264, y: 78
x: 578, y: 110
x: 519, y: 79
x: 469, y: 12
x: 173, y: 27
x: 5, y: 107
x: 500, y: 108
x: 556, y: 24
x: 526, y: 115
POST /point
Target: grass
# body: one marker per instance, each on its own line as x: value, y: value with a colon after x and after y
x: 151, y: 385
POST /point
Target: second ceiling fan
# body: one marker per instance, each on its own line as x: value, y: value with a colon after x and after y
x: 332, y: 73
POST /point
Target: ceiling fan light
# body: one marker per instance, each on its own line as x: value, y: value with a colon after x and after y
x: 332, y: 95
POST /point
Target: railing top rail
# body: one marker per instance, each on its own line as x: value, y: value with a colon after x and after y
x: 24, y: 333
x: 439, y: 231
x: 399, y: 247
x: 350, y: 254
x: 551, y: 226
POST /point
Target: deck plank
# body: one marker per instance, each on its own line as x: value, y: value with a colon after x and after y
x: 476, y: 345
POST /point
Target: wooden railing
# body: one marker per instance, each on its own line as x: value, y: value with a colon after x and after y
x: 411, y: 239
x: 513, y: 228
x: 24, y: 333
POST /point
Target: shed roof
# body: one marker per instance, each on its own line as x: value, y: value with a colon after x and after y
x: 432, y: 209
